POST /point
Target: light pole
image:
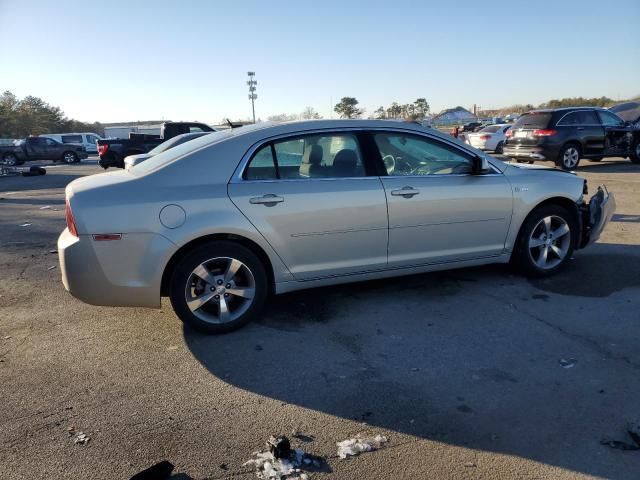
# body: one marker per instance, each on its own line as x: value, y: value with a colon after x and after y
x: 252, y: 92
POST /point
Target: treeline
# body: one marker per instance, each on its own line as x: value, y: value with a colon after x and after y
x: 558, y: 103
x: 21, y: 117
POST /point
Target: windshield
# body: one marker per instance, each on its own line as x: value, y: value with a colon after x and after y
x: 171, y: 154
x: 533, y: 120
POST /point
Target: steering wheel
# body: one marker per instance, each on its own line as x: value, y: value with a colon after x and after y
x: 389, y: 163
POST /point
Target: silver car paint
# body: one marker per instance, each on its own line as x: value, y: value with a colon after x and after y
x: 344, y: 240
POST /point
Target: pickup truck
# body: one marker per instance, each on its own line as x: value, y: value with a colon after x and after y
x: 41, y: 148
x: 113, y: 152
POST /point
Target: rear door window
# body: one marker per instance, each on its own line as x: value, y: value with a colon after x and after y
x: 580, y: 117
x: 538, y: 120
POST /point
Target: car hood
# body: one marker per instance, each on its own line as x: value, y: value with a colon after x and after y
x: 629, y: 111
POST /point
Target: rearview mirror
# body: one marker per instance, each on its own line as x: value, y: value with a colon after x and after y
x: 481, y: 166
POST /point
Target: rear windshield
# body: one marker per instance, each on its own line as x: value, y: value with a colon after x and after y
x: 170, y: 155
x: 490, y: 129
x: 533, y: 120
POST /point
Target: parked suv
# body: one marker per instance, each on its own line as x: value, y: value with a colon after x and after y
x: 565, y: 135
x: 88, y: 140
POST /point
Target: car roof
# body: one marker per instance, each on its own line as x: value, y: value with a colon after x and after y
x: 563, y: 109
x: 302, y: 126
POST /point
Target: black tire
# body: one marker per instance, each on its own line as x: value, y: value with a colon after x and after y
x: 69, y: 157
x: 499, y: 148
x: 635, y: 152
x: 523, y: 256
x: 210, y: 253
x: 10, y: 159
x: 569, y: 156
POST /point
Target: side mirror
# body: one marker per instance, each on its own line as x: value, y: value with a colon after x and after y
x: 481, y: 166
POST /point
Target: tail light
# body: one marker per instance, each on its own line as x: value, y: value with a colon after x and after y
x: 508, y: 134
x: 102, y: 149
x: 71, y: 223
x: 485, y: 137
x: 543, y: 133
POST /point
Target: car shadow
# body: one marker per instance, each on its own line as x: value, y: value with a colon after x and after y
x: 447, y: 356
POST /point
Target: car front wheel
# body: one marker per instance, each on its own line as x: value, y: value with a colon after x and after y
x: 546, y: 240
x: 219, y: 287
x: 635, y: 152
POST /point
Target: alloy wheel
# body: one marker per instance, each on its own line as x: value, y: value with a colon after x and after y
x: 220, y: 290
x: 10, y: 160
x: 549, y: 242
x: 570, y: 157
x: 69, y: 157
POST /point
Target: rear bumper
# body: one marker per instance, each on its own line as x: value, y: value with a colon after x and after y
x: 531, y: 152
x: 122, y: 273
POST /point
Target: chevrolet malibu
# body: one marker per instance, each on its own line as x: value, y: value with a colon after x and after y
x: 221, y: 222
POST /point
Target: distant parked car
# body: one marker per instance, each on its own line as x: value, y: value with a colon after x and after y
x: 491, y: 137
x: 41, y: 148
x: 220, y: 223
x: 470, y: 127
x: 87, y: 139
x: 132, y: 160
x: 565, y: 135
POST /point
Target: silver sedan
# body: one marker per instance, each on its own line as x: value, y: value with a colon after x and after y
x: 221, y: 222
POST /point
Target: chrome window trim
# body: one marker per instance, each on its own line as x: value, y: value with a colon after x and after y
x: 237, y: 176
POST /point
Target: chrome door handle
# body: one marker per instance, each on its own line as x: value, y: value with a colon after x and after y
x: 406, y: 192
x: 268, y: 200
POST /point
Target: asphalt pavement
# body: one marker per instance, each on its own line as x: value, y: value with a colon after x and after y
x: 473, y: 373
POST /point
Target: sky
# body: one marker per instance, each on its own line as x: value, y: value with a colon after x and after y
x: 113, y: 60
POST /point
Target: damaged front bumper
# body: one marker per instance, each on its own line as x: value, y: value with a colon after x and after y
x: 595, y: 215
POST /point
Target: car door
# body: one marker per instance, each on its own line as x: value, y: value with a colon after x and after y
x: 439, y: 211
x: 312, y: 200
x: 52, y: 149
x: 618, y: 137
x: 36, y: 148
x: 585, y: 127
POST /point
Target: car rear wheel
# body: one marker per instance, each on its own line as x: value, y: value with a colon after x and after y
x: 569, y: 157
x: 499, y: 148
x: 219, y: 287
x: 635, y: 152
x: 546, y: 241
x: 69, y: 157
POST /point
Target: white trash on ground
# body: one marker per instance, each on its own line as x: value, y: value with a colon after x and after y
x: 283, y: 463
x: 358, y: 445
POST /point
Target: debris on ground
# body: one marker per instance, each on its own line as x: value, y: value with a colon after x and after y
x: 633, y: 429
x: 567, y: 363
x: 81, y: 439
x: 46, y: 207
x: 159, y: 471
x: 53, y: 251
x: 6, y: 337
x: 51, y: 267
x: 283, y: 463
x: 25, y: 225
x: 358, y: 445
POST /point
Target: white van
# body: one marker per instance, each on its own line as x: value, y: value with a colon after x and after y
x: 87, y: 139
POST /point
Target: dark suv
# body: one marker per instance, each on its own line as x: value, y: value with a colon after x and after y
x: 565, y: 135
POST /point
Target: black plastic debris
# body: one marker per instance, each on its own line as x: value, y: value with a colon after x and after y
x: 633, y: 429
x: 34, y: 172
x: 159, y: 471
x: 280, y: 447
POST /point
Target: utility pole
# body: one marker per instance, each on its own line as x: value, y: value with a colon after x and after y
x: 252, y: 92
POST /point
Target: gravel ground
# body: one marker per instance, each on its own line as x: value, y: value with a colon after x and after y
x: 461, y: 370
